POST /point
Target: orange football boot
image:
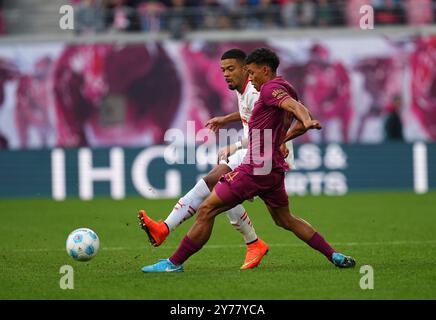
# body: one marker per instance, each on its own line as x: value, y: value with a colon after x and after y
x: 255, y: 252
x: 157, y: 231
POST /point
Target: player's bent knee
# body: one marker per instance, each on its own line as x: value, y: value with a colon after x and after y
x: 208, y: 180
x: 211, y: 180
x: 278, y: 223
x: 213, y: 176
x: 285, y: 223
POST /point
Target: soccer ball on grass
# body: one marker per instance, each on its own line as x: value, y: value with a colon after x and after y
x: 83, y: 244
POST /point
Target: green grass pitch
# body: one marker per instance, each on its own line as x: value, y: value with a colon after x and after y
x: 395, y: 233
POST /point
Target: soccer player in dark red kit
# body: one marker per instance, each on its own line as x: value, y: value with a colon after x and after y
x: 263, y: 170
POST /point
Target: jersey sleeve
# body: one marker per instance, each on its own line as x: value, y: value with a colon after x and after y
x: 273, y: 94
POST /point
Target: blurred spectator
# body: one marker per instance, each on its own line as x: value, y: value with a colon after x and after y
x: 267, y: 14
x: 324, y: 13
x: 307, y: 12
x: 123, y: 15
x: 224, y: 22
x: 121, y: 22
x: 2, y: 20
x: 212, y: 15
x: 389, y: 12
x: 338, y: 12
x: 176, y: 18
x: 228, y: 4
x: 150, y: 13
x: 240, y: 14
x: 434, y: 8
x: 419, y: 12
x: 289, y: 13
x: 393, y: 124
x: 180, y: 16
x: 89, y: 17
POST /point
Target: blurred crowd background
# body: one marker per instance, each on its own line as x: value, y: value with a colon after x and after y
x: 178, y: 16
x: 77, y: 91
x: 183, y: 15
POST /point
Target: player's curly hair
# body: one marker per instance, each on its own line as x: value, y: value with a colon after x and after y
x: 264, y: 57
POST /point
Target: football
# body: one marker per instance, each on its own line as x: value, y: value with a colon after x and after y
x: 83, y: 244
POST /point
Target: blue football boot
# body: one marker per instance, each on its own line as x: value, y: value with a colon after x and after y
x: 342, y: 261
x: 164, y: 265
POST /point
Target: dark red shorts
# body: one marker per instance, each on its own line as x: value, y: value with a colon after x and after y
x: 239, y: 185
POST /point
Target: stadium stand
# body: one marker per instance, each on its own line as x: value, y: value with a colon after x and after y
x: 180, y: 16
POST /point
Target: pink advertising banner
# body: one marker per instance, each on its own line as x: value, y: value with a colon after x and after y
x: 365, y: 90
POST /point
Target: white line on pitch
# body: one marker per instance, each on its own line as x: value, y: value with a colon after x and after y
x: 215, y: 246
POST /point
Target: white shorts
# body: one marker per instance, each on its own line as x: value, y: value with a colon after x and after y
x: 290, y: 158
x: 235, y: 159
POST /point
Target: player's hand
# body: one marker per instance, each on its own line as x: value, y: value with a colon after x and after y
x: 216, y: 123
x: 284, y: 150
x: 312, y: 124
x: 226, y: 152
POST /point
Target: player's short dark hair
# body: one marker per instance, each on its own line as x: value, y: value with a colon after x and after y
x: 237, y: 54
x: 264, y: 57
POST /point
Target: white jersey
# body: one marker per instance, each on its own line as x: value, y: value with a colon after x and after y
x: 246, y: 101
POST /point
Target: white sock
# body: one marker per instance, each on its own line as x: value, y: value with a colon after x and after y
x: 187, y: 206
x: 239, y: 219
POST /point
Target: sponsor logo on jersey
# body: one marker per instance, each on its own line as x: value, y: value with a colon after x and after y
x: 279, y: 93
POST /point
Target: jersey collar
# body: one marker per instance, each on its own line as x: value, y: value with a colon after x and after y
x: 245, y: 86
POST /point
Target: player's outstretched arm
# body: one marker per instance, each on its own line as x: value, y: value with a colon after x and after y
x: 301, y: 113
x: 217, y: 123
x: 296, y: 130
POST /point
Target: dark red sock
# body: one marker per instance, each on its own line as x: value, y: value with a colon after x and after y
x: 186, y: 249
x: 319, y: 243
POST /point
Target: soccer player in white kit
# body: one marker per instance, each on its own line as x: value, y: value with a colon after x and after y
x: 233, y: 68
